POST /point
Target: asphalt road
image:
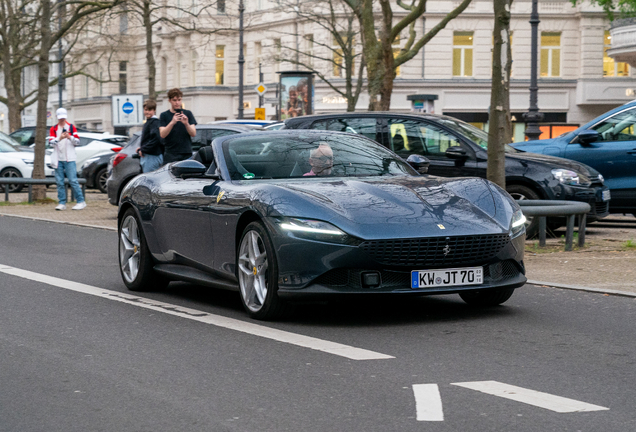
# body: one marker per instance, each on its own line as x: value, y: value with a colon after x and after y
x: 100, y: 361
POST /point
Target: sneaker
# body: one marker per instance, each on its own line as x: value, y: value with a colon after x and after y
x: 80, y: 206
x: 61, y: 207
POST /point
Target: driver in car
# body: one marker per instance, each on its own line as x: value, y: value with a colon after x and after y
x: 321, y: 161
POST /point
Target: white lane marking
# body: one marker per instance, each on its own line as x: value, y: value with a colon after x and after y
x: 542, y: 400
x: 347, y: 351
x: 428, y: 402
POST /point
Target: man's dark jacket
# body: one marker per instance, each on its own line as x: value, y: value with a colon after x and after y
x: 150, y: 138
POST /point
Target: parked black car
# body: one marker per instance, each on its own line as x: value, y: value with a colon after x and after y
x: 124, y: 166
x: 95, y: 171
x: 458, y: 149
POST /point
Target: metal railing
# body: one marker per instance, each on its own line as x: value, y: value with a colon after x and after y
x: 569, y: 209
x: 30, y: 182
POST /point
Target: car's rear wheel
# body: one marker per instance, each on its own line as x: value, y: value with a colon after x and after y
x: 489, y: 297
x: 135, y: 262
x: 11, y: 173
x: 519, y: 192
x: 258, y: 274
x: 100, y: 179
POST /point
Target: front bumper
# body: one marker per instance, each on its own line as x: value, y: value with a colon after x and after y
x: 314, y: 268
x: 594, y: 196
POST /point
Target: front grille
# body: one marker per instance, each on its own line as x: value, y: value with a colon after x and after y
x: 436, y: 252
x: 350, y: 278
x: 602, y: 207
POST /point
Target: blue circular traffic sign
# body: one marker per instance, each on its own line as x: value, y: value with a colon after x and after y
x: 128, y: 108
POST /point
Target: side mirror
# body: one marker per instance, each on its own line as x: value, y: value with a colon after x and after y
x: 420, y: 163
x: 588, y: 137
x: 456, y: 152
x: 188, y: 168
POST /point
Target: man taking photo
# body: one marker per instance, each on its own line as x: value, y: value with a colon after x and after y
x: 177, y: 127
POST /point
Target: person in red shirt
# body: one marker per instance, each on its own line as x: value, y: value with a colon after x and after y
x: 63, y: 137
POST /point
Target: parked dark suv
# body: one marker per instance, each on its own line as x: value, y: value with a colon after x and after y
x: 124, y: 166
x: 458, y: 149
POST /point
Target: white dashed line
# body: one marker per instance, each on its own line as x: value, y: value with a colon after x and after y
x: 428, y: 402
x: 531, y: 397
x: 341, y: 350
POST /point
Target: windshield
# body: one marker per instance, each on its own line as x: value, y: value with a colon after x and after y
x: 4, y: 147
x: 276, y: 156
x: 471, y: 132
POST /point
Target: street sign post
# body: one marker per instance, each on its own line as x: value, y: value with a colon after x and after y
x: 259, y: 113
x: 127, y: 110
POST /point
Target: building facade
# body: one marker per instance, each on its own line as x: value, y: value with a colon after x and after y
x: 578, y: 79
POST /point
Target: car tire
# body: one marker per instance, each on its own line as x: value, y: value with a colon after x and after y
x: 257, y: 272
x: 135, y: 262
x: 100, y: 179
x: 14, y: 173
x: 489, y: 297
x: 519, y: 192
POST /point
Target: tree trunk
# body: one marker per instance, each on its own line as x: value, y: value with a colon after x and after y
x: 150, y: 57
x: 500, y: 127
x: 14, y: 99
x: 39, y: 191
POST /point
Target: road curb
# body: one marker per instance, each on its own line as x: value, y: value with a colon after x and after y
x: 583, y: 288
x: 61, y: 222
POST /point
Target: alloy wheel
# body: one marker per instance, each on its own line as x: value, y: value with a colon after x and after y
x: 129, y: 249
x: 11, y: 173
x: 253, y: 271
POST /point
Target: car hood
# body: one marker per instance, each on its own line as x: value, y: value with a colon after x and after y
x: 555, y: 162
x: 398, y: 207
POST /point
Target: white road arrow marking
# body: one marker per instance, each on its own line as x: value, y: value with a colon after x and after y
x: 347, y: 351
x: 531, y: 397
x: 428, y: 402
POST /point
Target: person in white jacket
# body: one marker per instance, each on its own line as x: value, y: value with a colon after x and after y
x: 64, y: 139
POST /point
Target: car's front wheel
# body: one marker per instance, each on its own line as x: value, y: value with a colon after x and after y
x: 258, y: 274
x: 135, y: 262
x: 11, y: 173
x: 489, y: 297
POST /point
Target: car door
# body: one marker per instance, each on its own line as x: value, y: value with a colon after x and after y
x: 613, y: 155
x: 182, y: 220
x: 409, y: 136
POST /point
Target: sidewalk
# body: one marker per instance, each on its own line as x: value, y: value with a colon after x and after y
x: 607, y: 263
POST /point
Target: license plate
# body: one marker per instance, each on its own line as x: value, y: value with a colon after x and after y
x: 606, y: 195
x: 447, y: 277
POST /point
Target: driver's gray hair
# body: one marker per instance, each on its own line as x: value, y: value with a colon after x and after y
x: 313, y: 152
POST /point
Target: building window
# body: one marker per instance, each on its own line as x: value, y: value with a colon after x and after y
x: 220, y: 6
x: 193, y: 68
x: 612, y: 68
x: 123, y: 82
x: 123, y: 23
x: 278, y: 47
x: 396, y: 52
x: 86, y: 84
x: 101, y: 82
x: 178, y: 75
x: 258, y: 58
x: 550, y: 54
x: 338, y: 55
x: 220, y: 65
x: 309, y: 50
x: 463, y: 54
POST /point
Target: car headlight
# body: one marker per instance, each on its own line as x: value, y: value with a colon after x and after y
x: 88, y: 162
x: 314, y: 230
x: 601, y: 178
x: 570, y: 177
x: 28, y: 161
x: 518, y: 224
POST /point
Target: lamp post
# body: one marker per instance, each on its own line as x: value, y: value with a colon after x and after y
x: 60, y: 65
x: 241, y: 59
x: 533, y: 116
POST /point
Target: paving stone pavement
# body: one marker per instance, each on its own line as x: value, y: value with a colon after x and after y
x: 607, y: 263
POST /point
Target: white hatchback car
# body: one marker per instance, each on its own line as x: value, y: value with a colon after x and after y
x: 15, y: 163
x: 94, y: 145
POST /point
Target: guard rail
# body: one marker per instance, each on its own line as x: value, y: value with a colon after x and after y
x: 569, y: 209
x: 31, y: 182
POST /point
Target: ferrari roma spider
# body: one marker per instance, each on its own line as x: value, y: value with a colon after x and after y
x: 298, y: 213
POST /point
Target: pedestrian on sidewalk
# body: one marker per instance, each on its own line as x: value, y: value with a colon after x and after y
x: 177, y: 127
x: 151, y: 148
x: 63, y: 137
